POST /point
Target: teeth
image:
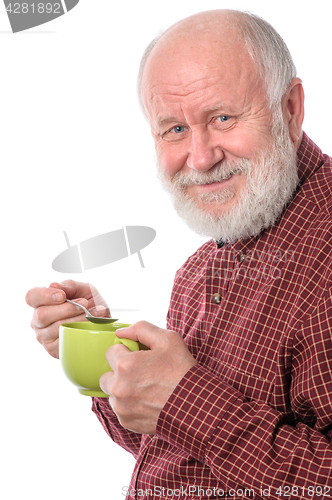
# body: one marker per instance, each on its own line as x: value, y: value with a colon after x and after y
x: 225, y: 178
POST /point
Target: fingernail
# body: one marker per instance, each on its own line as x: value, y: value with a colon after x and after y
x: 57, y: 297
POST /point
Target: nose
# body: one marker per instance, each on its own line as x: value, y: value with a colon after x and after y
x: 204, y: 152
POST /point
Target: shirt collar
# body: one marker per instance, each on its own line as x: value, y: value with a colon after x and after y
x: 309, y: 158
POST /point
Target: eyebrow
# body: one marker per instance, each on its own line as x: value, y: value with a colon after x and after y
x: 169, y: 119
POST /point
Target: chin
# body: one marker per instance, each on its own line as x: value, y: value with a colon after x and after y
x: 216, y: 209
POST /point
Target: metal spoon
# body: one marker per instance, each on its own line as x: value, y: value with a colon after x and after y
x: 89, y: 316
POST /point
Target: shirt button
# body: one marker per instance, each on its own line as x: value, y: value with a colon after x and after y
x: 216, y: 298
x: 242, y: 257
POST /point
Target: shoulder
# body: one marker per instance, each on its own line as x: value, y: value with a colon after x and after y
x: 315, y: 174
x: 198, y: 259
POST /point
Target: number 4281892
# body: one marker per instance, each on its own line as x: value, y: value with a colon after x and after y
x: 34, y: 8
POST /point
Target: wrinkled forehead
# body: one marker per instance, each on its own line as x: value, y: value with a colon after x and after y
x: 191, y: 67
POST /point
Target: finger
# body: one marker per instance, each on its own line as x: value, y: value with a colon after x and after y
x: 48, y: 337
x: 37, y: 297
x: 143, y: 332
x: 50, y: 333
x: 105, y: 382
x: 44, y: 316
x: 115, y: 353
x: 52, y: 348
x: 94, y: 310
x: 75, y: 289
x: 56, y: 293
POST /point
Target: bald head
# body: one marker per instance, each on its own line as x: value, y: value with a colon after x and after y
x: 218, y: 24
x: 233, y: 32
x: 215, y: 23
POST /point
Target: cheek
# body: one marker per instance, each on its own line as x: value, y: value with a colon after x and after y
x: 245, y: 143
x: 171, y: 159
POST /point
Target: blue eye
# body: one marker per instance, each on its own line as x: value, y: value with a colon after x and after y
x: 223, y: 118
x: 178, y: 129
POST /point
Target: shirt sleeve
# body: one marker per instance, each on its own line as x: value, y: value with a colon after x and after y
x: 249, y: 442
x: 128, y: 440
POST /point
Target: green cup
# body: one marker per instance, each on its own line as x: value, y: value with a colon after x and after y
x: 82, y: 348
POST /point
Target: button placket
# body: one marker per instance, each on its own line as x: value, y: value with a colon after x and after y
x: 224, y: 272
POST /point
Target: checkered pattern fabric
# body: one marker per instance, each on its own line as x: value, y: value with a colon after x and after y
x: 254, y: 418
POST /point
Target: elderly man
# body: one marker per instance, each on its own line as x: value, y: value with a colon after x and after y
x: 240, y: 403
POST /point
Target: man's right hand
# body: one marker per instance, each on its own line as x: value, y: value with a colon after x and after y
x: 51, y: 309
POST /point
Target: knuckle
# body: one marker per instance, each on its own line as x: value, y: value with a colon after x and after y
x: 84, y: 303
x: 139, y: 325
x: 28, y: 297
x: 32, y: 295
x: 40, y: 336
x: 54, y: 352
x: 49, y: 342
x: 52, y: 348
x: 125, y: 365
x: 117, y: 409
x: 172, y: 336
x: 121, y: 368
x: 39, y: 317
x: 116, y: 393
x: 121, y: 391
x: 89, y: 286
x: 122, y: 417
x: 69, y: 282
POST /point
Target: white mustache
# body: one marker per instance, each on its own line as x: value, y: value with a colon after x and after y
x: 221, y: 172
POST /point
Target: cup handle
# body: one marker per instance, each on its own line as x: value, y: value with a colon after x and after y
x: 131, y: 344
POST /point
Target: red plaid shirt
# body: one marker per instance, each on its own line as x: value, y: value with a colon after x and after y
x: 254, y: 418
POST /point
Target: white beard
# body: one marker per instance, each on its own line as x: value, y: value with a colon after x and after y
x: 271, y: 179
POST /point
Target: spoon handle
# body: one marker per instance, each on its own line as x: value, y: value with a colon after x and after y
x: 79, y: 305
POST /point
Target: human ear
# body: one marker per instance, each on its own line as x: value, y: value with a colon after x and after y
x: 293, y: 109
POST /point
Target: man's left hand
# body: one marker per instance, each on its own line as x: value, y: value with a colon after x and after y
x: 142, y: 381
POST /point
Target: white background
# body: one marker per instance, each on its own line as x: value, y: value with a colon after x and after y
x: 76, y: 155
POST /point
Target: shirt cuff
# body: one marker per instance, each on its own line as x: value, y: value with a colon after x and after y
x: 103, y: 410
x: 194, y: 411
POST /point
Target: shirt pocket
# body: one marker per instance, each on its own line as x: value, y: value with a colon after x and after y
x: 252, y: 387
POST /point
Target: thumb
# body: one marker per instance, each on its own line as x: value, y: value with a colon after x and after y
x: 145, y: 333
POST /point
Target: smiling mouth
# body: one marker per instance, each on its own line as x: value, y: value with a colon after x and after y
x: 183, y: 182
x: 220, y: 180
